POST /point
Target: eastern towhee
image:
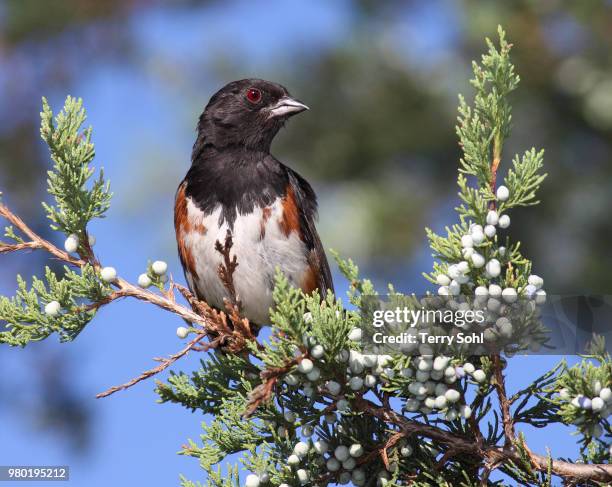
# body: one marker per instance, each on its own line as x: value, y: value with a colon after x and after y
x: 235, y: 184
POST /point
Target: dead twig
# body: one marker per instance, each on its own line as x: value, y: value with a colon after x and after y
x: 36, y: 241
x: 228, y: 266
x: 226, y: 273
x: 165, y: 363
x: 264, y: 391
x: 5, y: 248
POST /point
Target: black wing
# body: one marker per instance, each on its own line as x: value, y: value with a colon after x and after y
x: 307, y: 203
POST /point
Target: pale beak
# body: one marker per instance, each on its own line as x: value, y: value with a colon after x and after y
x: 287, y: 106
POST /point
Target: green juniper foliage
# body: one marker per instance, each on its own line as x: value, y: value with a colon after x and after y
x: 71, y: 153
x: 26, y: 322
x: 305, y: 403
x: 584, y: 400
x: 30, y: 315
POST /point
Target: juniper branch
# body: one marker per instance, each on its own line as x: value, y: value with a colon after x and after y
x: 165, y: 363
x: 494, y: 454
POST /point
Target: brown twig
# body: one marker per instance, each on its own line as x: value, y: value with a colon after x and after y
x: 36, y: 241
x: 497, y: 149
x: 473, y: 424
x: 500, y: 383
x: 226, y: 274
x: 448, y: 454
x: 5, y: 248
x: 504, y: 404
x: 200, y: 307
x: 489, y: 466
x: 492, y: 455
x: 263, y: 391
x: 390, y: 443
x: 228, y: 267
x: 165, y: 363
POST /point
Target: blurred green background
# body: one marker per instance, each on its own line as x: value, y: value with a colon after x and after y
x: 378, y: 144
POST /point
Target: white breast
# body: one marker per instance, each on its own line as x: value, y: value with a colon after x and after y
x: 260, y: 246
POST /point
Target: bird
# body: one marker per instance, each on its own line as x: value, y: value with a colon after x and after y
x: 235, y: 187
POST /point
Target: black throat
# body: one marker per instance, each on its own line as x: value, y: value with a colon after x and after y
x: 236, y: 178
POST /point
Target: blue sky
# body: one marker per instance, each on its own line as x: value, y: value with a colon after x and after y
x: 143, y: 129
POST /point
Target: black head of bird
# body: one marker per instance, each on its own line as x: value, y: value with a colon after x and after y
x: 246, y: 114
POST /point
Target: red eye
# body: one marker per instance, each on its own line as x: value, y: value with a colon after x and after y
x: 253, y: 95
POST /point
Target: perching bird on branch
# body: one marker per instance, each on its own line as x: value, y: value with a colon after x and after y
x: 235, y: 184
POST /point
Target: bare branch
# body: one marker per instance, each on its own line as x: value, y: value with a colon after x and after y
x: 5, y: 248
x: 36, y: 241
x: 165, y: 363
